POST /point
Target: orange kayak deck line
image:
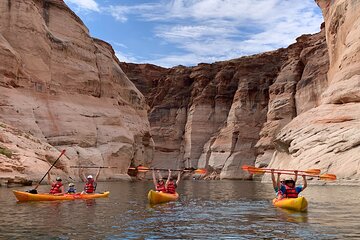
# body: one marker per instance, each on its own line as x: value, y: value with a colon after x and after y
x: 25, y: 196
x: 155, y: 197
x: 299, y: 204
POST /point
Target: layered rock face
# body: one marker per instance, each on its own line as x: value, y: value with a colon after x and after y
x: 226, y: 114
x: 65, y: 89
x: 328, y: 135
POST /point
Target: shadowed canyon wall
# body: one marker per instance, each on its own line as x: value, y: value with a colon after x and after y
x: 62, y: 89
x: 226, y: 114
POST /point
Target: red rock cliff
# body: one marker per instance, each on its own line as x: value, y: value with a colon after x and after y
x: 227, y: 114
x: 61, y: 88
x: 328, y: 135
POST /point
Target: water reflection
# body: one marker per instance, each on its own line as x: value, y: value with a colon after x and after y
x: 205, y: 210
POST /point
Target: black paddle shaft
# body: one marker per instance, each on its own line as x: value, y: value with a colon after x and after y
x: 62, y: 153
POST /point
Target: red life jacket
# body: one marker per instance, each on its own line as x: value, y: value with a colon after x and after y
x: 171, y: 187
x: 55, y: 188
x: 160, y: 188
x: 290, y: 192
x: 89, y: 187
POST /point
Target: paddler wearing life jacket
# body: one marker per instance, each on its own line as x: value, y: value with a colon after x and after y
x: 90, y: 182
x: 290, y: 190
x: 170, y: 185
x: 71, y: 189
x: 160, y: 183
x: 56, y: 187
x: 276, y: 183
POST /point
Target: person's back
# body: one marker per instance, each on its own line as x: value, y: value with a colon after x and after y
x: 57, y: 186
x: 90, y: 182
x: 71, y: 189
x: 90, y: 185
x: 171, y: 187
x: 160, y: 186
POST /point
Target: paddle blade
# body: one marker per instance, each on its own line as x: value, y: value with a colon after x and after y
x: 313, y: 171
x: 256, y: 171
x: 245, y: 167
x: 32, y: 191
x: 200, y: 171
x: 328, y: 176
x: 142, y: 169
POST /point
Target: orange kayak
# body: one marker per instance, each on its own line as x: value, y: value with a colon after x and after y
x: 25, y: 196
x: 299, y: 204
x: 160, y: 197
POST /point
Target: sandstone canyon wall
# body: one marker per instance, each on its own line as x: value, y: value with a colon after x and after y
x: 226, y: 114
x: 328, y: 135
x: 296, y: 107
x: 291, y: 108
x: 62, y: 89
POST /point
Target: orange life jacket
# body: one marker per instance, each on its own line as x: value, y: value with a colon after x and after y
x: 290, y: 192
x: 89, y: 187
x: 171, y: 187
x: 55, y: 188
x: 160, y: 188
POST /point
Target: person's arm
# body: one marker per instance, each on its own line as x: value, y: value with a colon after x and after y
x: 178, y: 179
x: 296, y: 175
x: 62, y: 189
x: 97, y: 174
x: 168, y: 179
x: 159, y: 174
x: 278, y: 181
x: 305, y: 182
x: 154, y: 178
x: 273, y: 179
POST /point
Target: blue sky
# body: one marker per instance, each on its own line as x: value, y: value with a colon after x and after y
x: 187, y: 32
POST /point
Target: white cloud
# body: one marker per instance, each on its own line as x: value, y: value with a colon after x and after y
x: 123, y: 57
x: 212, y: 30
x: 89, y: 5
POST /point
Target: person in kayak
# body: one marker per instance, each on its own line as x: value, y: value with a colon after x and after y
x: 56, y: 187
x: 71, y: 189
x: 289, y: 189
x: 170, y: 185
x: 90, y: 182
x: 160, y: 183
x: 276, y: 183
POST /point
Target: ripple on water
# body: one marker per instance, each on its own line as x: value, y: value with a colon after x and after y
x: 206, y: 210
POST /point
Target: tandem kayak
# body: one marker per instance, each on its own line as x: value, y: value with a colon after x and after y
x: 299, y: 204
x: 25, y: 196
x: 160, y: 197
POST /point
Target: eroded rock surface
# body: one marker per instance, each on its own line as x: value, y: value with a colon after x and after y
x: 226, y: 114
x: 327, y: 136
x: 67, y: 90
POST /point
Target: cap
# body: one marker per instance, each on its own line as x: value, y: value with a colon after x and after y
x: 90, y: 176
x: 71, y: 185
x: 58, y: 179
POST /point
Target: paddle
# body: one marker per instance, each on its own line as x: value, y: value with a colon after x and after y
x: 326, y: 176
x: 309, y: 171
x: 145, y: 169
x: 91, y: 167
x: 34, y: 191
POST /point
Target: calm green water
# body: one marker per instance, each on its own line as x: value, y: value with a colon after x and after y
x: 206, y: 210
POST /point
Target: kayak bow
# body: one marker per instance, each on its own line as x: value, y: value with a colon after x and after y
x: 160, y: 197
x: 299, y: 204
